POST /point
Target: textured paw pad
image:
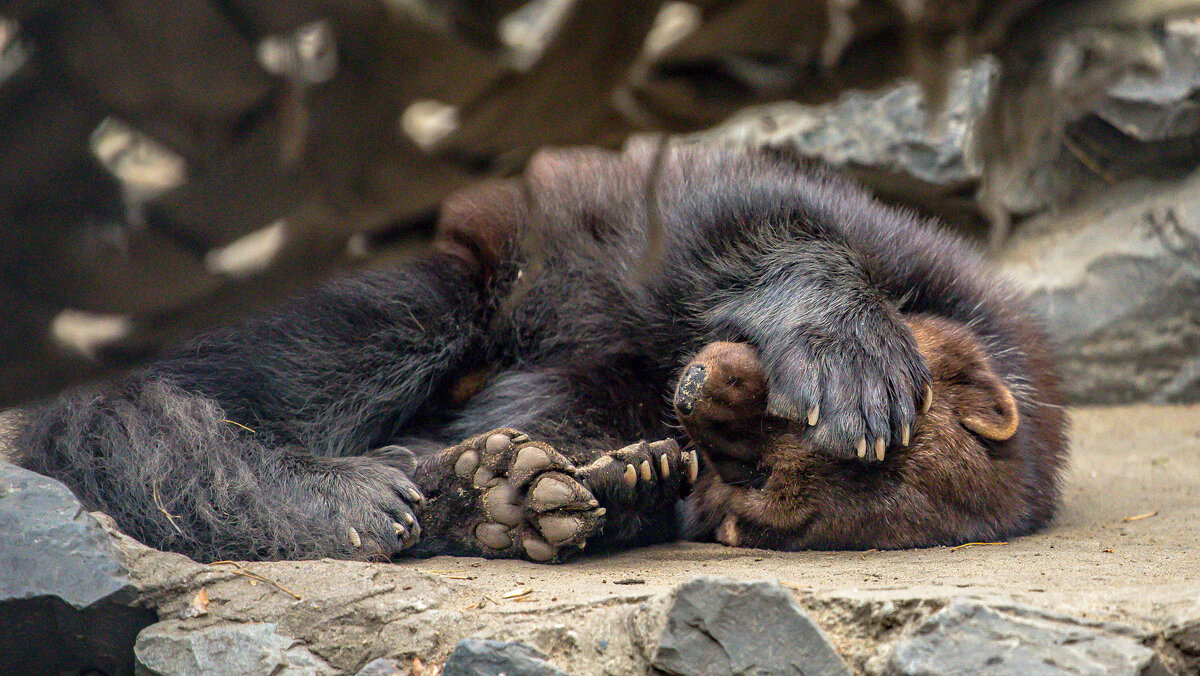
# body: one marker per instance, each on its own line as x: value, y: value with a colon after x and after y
x: 530, y: 502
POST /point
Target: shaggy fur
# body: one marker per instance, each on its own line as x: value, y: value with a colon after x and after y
x: 569, y: 318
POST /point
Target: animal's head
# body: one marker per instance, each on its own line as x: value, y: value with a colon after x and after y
x: 721, y: 400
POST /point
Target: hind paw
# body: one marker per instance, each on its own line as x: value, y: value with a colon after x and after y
x: 528, y: 501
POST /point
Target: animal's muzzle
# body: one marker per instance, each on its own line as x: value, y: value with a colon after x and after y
x: 690, y: 386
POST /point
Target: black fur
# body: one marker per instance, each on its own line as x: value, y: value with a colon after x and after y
x: 255, y: 441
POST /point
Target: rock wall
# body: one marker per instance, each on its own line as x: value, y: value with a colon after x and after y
x: 1097, y: 217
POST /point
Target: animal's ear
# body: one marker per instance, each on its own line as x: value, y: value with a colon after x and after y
x: 480, y: 224
x: 986, y: 405
x: 964, y: 378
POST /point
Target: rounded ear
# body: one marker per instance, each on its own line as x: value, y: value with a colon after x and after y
x: 986, y: 406
x: 963, y: 376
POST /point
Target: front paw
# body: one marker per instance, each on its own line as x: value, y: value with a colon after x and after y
x: 370, y: 502
x: 525, y: 498
x: 859, y: 398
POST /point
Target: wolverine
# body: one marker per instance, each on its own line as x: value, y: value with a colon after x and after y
x: 614, y: 349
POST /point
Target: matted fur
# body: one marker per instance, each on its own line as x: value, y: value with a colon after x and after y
x: 568, y: 317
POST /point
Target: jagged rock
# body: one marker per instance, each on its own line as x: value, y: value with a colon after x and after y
x: 883, y: 137
x: 171, y: 648
x: 382, y: 667
x: 968, y: 637
x: 722, y: 626
x: 66, y: 600
x: 1118, y: 282
x: 475, y: 657
x: 1159, y: 106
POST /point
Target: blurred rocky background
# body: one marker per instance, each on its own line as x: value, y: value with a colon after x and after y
x: 164, y: 166
x: 168, y: 165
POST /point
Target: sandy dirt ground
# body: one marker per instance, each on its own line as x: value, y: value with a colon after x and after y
x: 1123, y: 550
x: 1124, y: 546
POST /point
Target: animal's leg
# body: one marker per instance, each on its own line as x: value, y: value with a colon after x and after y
x: 238, y: 444
x: 175, y: 472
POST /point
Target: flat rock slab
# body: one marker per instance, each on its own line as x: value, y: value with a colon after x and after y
x: 720, y: 626
x: 255, y: 649
x: 66, y: 599
x: 968, y: 637
x: 476, y: 657
x: 1117, y: 281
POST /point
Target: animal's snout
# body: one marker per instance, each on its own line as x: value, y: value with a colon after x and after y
x: 690, y: 386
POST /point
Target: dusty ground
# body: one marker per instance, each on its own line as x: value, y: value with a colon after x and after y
x: 1126, y: 462
x: 1096, y: 562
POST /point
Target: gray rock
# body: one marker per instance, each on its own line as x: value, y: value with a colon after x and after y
x: 722, y: 626
x: 1118, y: 283
x: 66, y: 600
x: 968, y: 637
x: 173, y: 649
x: 1159, y: 106
x: 886, y: 132
x: 477, y: 657
x: 382, y: 667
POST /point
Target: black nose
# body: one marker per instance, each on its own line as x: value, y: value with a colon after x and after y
x: 689, y: 388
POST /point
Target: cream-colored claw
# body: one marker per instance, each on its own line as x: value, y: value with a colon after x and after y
x: 664, y: 466
x: 928, y: 399
x: 906, y: 434
x: 727, y: 533
x: 693, y: 466
x: 355, y: 539
x: 813, y: 414
x: 644, y: 470
x: 630, y: 476
x: 880, y: 447
x: 861, y: 449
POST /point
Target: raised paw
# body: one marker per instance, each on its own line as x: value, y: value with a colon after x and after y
x: 859, y: 399
x: 526, y: 500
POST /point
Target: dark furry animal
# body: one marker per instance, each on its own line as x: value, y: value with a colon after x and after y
x: 550, y: 333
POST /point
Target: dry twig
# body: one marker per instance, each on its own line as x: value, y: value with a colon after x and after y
x: 976, y: 544
x: 241, y: 570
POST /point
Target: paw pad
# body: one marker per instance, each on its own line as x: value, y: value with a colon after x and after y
x: 529, y: 501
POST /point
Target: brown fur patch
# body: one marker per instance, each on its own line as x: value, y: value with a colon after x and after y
x: 479, y: 225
